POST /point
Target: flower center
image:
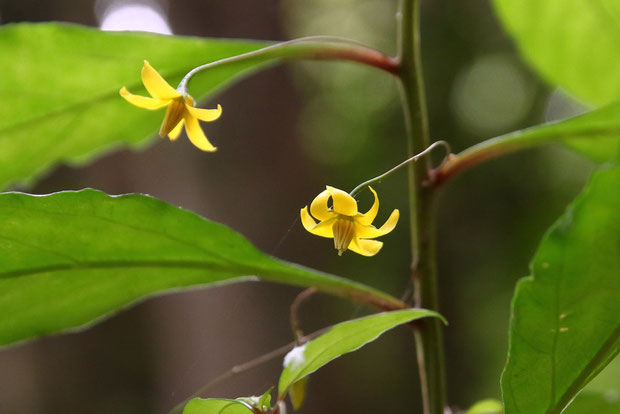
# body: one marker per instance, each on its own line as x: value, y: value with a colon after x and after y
x: 344, y: 231
x: 174, y: 115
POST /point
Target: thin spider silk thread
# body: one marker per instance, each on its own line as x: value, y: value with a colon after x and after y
x: 284, y: 236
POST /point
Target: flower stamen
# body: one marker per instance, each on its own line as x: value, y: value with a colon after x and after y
x: 344, y: 231
x: 174, y: 115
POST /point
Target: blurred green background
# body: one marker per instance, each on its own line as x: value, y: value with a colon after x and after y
x: 287, y: 132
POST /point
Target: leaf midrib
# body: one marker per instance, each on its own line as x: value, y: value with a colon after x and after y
x: 27, y: 123
x: 120, y: 264
x: 118, y: 223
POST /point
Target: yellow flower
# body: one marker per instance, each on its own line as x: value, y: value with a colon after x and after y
x: 180, y: 109
x: 349, y: 228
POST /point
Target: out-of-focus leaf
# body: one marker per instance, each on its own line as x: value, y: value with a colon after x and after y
x: 572, y: 43
x: 297, y: 393
x: 341, y: 339
x: 216, y: 406
x: 489, y: 406
x: 588, y: 402
x: 607, y: 380
x: 565, y: 324
x: 59, y: 90
x: 70, y: 258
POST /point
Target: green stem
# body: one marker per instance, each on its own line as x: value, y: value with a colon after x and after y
x: 429, y: 340
x: 311, y: 48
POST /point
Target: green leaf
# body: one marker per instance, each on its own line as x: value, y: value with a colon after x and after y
x: 565, y: 324
x: 594, y: 403
x: 216, y: 406
x: 70, y: 258
x: 341, y: 339
x: 572, y: 43
x: 59, y: 90
x: 489, y: 406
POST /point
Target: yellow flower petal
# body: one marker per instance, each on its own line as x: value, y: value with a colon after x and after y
x: 343, y: 203
x: 370, y: 215
x: 142, y: 101
x: 319, y: 209
x: 156, y: 85
x: 206, y: 115
x: 176, y: 131
x: 323, y: 229
x: 370, y: 232
x: 174, y: 115
x: 365, y: 247
x: 195, y: 134
x: 307, y: 221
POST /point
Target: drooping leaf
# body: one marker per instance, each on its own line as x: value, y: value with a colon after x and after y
x: 588, y: 402
x: 565, y: 324
x: 59, y: 90
x: 70, y: 258
x: 216, y: 406
x: 572, y: 43
x: 489, y: 406
x: 297, y: 393
x: 341, y: 339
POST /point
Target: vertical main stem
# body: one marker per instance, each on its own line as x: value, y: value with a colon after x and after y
x: 428, y: 335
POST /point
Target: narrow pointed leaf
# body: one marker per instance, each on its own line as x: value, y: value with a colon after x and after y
x: 565, y: 324
x: 70, y: 258
x: 59, y: 90
x: 572, y: 43
x: 341, y: 339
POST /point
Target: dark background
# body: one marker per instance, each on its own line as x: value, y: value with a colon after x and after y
x: 286, y: 133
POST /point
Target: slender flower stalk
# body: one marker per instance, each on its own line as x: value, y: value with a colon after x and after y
x: 294, y: 319
x: 402, y: 164
x: 310, y: 48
